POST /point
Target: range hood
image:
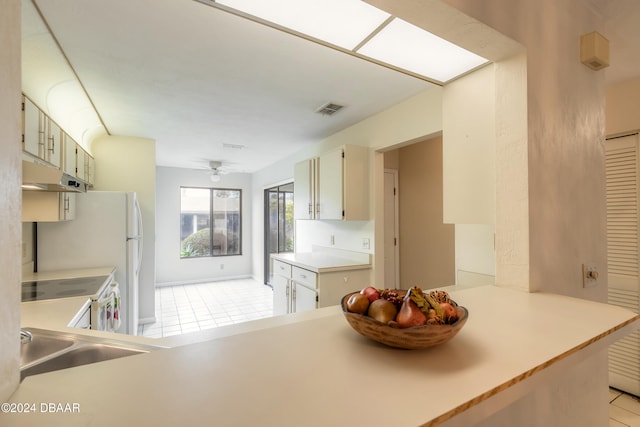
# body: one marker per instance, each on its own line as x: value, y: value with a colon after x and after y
x: 39, y: 177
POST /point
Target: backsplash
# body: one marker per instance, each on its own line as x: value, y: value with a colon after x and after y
x: 349, y: 235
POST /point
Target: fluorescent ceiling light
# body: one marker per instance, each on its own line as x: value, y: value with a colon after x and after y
x: 344, y: 23
x: 363, y: 30
x: 409, y: 47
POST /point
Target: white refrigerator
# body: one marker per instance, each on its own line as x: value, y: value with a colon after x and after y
x: 107, y: 231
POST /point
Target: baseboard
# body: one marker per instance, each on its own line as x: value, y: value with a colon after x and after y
x: 198, y: 281
x: 146, y: 320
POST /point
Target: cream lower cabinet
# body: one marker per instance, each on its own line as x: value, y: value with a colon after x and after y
x: 296, y: 289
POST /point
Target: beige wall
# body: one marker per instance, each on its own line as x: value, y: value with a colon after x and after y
x: 427, y: 246
x: 623, y: 107
x: 129, y: 164
x: 10, y: 212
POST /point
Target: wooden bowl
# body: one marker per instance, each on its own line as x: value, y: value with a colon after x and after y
x: 409, y: 338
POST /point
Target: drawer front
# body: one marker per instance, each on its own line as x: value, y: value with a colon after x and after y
x: 306, y: 277
x: 281, y: 268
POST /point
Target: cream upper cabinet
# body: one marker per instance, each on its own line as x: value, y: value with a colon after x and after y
x: 53, y: 143
x: 304, y: 175
x: 69, y: 157
x: 334, y: 186
x: 330, y: 185
x: 41, y: 206
x: 81, y: 163
x: 91, y: 170
x: 33, y: 129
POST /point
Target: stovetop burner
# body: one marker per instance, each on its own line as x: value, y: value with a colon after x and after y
x: 62, y: 288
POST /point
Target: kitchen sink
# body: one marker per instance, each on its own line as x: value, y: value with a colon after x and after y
x: 42, y: 346
x: 52, y: 351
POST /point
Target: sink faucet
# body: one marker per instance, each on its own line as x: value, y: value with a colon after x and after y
x: 25, y: 336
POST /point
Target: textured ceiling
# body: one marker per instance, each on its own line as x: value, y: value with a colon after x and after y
x: 196, y: 79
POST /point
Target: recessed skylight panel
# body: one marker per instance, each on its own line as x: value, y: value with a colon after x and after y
x: 409, y: 47
x: 344, y: 23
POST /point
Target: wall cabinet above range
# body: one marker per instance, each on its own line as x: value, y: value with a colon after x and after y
x: 44, y: 206
x: 333, y: 186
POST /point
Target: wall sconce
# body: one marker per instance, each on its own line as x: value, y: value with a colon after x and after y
x: 594, y: 50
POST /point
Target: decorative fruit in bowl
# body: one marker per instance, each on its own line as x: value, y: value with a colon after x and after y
x: 405, y: 319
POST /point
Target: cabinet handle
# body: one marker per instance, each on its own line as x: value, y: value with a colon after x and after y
x: 293, y: 298
x: 310, y: 209
x: 66, y: 204
x: 52, y: 148
x: 288, y: 299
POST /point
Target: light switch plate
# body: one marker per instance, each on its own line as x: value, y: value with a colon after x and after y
x: 589, y: 275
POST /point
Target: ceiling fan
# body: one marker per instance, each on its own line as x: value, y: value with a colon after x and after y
x: 216, y: 169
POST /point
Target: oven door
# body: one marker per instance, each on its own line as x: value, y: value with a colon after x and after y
x: 102, y: 312
x: 105, y: 311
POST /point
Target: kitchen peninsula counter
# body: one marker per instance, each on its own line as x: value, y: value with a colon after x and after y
x: 325, y: 261
x: 314, y: 370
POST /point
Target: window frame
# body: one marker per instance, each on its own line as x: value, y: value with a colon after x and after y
x: 212, y: 221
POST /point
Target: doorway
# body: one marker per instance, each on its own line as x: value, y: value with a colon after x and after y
x: 391, y: 252
x: 278, y: 225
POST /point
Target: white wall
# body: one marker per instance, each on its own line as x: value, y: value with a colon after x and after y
x: 10, y: 212
x: 170, y: 268
x: 469, y: 149
x: 129, y: 164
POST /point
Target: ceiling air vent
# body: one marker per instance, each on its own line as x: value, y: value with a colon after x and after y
x: 329, y: 109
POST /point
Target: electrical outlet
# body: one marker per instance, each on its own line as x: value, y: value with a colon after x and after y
x: 589, y: 275
x: 366, y: 243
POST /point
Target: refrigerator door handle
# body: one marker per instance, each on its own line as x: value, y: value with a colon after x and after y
x: 140, y: 239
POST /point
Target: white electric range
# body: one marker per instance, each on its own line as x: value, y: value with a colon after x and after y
x: 103, y: 312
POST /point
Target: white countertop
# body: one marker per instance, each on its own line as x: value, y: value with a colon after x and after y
x: 67, y: 274
x: 323, y: 262
x: 312, y: 369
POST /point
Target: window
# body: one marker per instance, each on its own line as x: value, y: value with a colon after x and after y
x: 210, y: 222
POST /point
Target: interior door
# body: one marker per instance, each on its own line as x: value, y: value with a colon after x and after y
x: 391, y: 268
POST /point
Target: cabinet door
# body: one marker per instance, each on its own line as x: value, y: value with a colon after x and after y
x: 67, y: 206
x: 303, y: 190
x: 330, y: 185
x: 91, y: 166
x: 33, y: 133
x: 304, y: 299
x: 44, y: 206
x: 280, y: 295
x: 54, y: 137
x: 69, y: 158
x: 80, y: 163
x: 355, y: 170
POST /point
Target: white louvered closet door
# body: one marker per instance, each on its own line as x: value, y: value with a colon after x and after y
x: 622, y: 169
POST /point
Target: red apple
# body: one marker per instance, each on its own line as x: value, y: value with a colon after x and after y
x: 371, y: 293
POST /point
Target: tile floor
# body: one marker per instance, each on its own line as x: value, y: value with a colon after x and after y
x: 624, y: 409
x: 188, y: 308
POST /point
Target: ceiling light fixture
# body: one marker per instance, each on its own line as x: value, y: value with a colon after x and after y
x: 362, y: 30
